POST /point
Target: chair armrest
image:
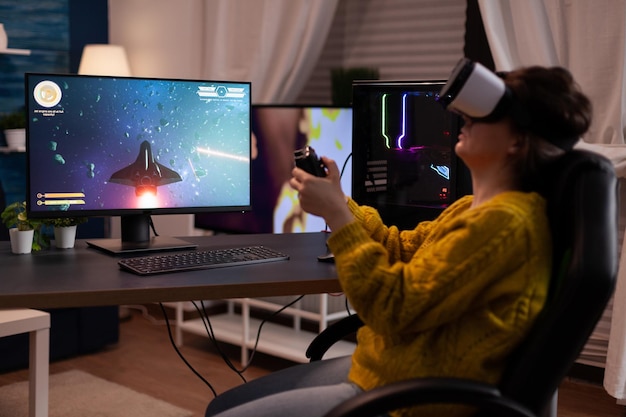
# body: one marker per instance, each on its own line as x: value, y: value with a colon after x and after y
x: 421, y: 391
x: 331, y: 335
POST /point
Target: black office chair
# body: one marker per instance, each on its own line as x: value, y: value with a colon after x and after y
x: 581, y: 190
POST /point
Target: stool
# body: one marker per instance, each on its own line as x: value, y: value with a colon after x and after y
x: 37, y: 323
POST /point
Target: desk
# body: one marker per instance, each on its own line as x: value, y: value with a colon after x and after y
x: 85, y: 276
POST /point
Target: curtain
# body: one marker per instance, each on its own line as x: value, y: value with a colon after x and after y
x: 272, y: 43
x: 588, y: 38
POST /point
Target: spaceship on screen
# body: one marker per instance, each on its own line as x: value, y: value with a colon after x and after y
x: 145, y: 174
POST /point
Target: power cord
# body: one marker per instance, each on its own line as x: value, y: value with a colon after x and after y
x: 345, y: 163
x: 258, y: 335
x: 180, y: 355
x: 348, y: 307
x: 209, y: 329
x: 152, y: 227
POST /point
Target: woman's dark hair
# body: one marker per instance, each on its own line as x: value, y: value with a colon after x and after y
x: 548, y: 103
x: 549, y: 112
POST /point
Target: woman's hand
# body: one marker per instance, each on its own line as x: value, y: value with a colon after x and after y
x: 322, y: 196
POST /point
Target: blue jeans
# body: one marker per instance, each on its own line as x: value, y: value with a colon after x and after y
x: 307, y: 390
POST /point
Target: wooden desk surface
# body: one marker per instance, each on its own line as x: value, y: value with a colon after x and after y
x: 85, y: 276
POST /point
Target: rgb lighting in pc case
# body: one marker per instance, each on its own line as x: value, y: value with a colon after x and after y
x: 403, y: 151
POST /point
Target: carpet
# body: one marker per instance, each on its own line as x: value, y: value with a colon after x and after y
x: 79, y: 394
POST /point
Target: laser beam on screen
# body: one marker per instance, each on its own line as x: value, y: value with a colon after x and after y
x: 211, y: 152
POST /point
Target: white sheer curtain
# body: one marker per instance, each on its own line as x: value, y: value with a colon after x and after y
x: 588, y: 38
x: 273, y: 43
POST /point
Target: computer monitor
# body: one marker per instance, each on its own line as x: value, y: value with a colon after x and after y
x: 278, y: 131
x: 133, y: 147
x: 404, y: 163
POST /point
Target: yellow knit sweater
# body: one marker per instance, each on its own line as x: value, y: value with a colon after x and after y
x: 452, y: 297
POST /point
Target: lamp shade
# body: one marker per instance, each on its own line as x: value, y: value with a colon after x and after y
x: 104, y: 60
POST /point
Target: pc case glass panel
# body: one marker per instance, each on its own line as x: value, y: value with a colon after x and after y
x: 403, y: 151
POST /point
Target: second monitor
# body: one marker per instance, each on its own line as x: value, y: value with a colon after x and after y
x: 278, y: 130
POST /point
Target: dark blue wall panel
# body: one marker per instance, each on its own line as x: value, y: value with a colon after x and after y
x: 55, y: 32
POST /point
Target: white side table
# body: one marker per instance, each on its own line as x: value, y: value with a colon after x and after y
x: 37, y: 324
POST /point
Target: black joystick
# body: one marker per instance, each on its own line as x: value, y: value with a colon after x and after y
x: 307, y: 160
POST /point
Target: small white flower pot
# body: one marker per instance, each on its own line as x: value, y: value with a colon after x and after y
x: 64, y: 237
x: 21, y: 240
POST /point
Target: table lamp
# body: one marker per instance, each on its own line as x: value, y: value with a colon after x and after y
x: 104, y: 59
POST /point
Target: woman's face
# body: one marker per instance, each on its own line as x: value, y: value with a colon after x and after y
x: 482, y: 144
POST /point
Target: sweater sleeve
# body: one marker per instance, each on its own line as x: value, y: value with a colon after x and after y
x: 467, y: 259
x: 400, y: 245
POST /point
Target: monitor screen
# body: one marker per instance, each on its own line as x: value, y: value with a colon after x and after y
x: 403, y: 151
x: 279, y: 130
x: 132, y: 147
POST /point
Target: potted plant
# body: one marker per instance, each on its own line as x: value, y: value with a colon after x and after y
x: 14, y: 126
x: 25, y: 233
x: 342, y: 79
x: 65, y: 230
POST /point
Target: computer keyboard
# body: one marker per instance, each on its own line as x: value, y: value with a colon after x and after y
x: 200, y: 259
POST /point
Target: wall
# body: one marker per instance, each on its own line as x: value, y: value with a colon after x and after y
x: 404, y: 39
x: 173, y: 26
x: 55, y: 32
x: 41, y: 27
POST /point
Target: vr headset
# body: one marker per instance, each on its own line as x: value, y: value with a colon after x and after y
x: 480, y: 94
x: 476, y: 92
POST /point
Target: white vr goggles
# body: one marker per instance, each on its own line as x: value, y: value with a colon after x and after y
x: 482, y: 95
x: 475, y: 91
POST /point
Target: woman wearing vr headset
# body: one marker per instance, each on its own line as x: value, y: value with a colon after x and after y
x: 454, y: 296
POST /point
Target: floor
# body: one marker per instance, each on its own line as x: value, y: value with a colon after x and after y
x: 145, y: 361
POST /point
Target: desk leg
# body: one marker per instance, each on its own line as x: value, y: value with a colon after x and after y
x: 178, y: 330
x: 38, y: 370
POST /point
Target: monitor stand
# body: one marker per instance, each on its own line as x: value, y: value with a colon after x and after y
x: 136, y: 238
x: 156, y: 243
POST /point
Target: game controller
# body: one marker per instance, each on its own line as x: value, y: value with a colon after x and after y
x: 307, y: 160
